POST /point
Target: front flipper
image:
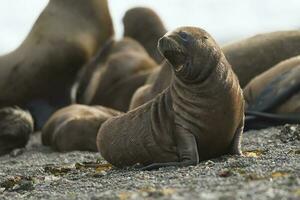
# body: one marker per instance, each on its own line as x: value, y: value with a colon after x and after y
x: 186, y: 147
x: 235, y: 147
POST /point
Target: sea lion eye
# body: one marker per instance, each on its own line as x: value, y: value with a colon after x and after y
x: 183, y: 36
x: 205, y: 37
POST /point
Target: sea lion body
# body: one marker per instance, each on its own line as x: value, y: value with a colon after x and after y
x: 64, y: 37
x: 16, y: 126
x: 254, y: 55
x: 199, y: 116
x: 75, y: 127
x: 155, y: 84
x: 273, y: 98
x: 145, y: 26
x: 255, y: 87
x: 114, y: 80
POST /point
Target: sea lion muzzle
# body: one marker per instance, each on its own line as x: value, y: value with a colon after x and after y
x: 172, y: 51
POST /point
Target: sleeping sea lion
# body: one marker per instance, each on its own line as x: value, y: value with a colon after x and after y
x: 252, y: 56
x: 114, y: 75
x: 198, y: 117
x: 16, y: 126
x: 273, y: 97
x: 145, y: 26
x: 64, y: 37
x: 75, y: 127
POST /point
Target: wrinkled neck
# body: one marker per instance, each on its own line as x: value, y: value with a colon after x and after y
x: 199, y: 69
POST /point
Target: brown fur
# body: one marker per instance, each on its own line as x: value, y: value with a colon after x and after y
x: 199, y: 116
x: 64, y: 37
x: 75, y: 127
x: 256, y: 86
x: 156, y: 83
x: 253, y: 56
x: 114, y: 79
x: 248, y: 58
x: 145, y: 26
x: 16, y: 126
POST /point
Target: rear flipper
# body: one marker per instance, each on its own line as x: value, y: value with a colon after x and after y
x: 260, y: 120
x: 187, y: 150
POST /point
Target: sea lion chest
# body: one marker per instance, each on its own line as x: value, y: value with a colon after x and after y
x: 211, y: 111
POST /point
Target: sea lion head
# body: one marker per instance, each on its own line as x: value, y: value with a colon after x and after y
x: 139, y: 19
x: 191, y: 51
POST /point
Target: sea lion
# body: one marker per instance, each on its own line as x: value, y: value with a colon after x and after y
x: 145, y: 26
x: 64, y: 37
x: 16, y: 125
x: 75, y: 127
x: 273, y: 97
x: 252, y: 56
x: 248, y: 58
x: 199, y: 116
x: 155, y: 84
x: 114, y: 75
x: 258, y: 84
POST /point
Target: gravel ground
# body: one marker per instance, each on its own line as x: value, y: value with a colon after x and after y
x: 270, y: 169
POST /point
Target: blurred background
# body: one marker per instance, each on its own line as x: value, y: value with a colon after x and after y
x: 226, y: 20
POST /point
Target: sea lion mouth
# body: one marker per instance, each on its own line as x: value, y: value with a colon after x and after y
x: 173, y: 52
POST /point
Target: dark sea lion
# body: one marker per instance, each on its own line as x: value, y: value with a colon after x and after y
x: 145, y: 26
x: 252, y: 56
x: 64, y: 37
x: 16, y: 125
x: 254, y: 88
x: 199, y: 116
x: 75, y: 127
x: 112, y: 80
x: 273, y: 98
x: 155, y: 84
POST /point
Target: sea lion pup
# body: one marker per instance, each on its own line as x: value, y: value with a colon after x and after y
x: 64, y: 37
x: 252, y: 56
x: 159, y: 79
x: 249, y: 57
x: 75, y: 127
x: 114, y: 79
x: 199, y: 116
x: 145, y: 26
x: 273, y: 98
x: 16, y: 125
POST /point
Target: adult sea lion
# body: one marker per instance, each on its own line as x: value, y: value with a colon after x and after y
x: 75, y: 127
x: 64, y: 37
x: 254, y: 55
x: 16, y: 125
x: 273, y: 98
x: 199, y: 116
x: 118, y: 71
x: 145, y: 26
